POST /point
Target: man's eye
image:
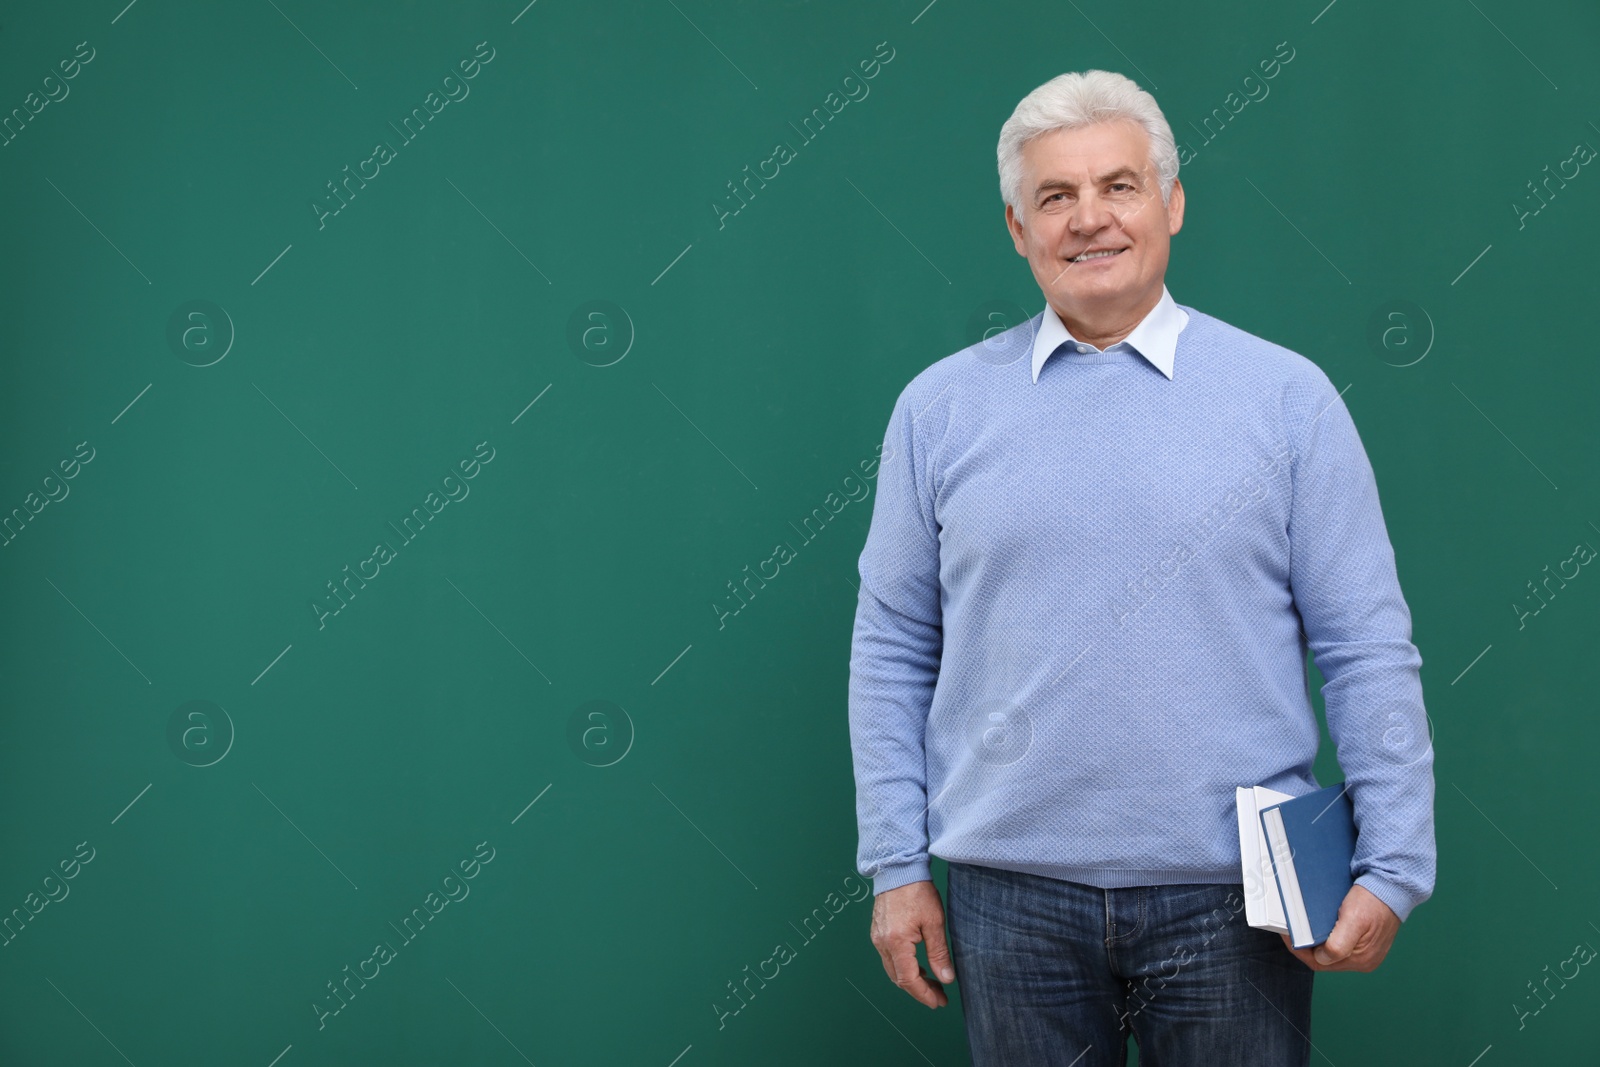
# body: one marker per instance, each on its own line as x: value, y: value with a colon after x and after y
x: 1123, y: 185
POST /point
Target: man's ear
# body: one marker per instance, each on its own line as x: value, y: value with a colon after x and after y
x: 1014, y: 226
x: 1175, y: 208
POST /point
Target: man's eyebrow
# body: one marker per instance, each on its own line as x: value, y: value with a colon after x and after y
x: 1064, y: 183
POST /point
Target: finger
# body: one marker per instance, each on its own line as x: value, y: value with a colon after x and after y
x: 938, y: 997
x: 939, y: 951
x: 888, y: 963
x: 1340, y: 943
x: 908, y: 975
x: 1352, y: 929
x: 1301, y: 954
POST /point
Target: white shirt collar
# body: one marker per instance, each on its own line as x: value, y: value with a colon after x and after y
x: 1155, y: 338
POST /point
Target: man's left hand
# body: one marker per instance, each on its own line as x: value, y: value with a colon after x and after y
x: 1360, y: 939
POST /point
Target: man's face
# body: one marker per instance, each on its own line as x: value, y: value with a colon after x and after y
x: 1090, y: 189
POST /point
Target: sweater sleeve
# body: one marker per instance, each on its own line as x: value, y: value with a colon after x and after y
x: 894, y: 662
x: 1358, y: 629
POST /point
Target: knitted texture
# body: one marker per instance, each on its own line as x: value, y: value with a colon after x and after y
x: 1081, y: 610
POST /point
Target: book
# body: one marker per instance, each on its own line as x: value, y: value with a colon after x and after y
x: 1263, y: 906
x: 1310, y: 842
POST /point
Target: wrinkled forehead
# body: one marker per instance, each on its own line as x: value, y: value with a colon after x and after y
x: 1089, y: 153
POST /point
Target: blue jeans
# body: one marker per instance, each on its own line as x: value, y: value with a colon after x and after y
x: 1052, y: 972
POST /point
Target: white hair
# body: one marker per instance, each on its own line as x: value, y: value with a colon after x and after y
x: 1069, y: 101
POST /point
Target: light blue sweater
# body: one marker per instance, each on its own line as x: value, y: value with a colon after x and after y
x: 1079, y: 626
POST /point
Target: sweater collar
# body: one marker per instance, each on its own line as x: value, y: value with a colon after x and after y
x: 1155, y: 338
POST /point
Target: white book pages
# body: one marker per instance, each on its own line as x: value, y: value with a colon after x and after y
x: 1263, y: 906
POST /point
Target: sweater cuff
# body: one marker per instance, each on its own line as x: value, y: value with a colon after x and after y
x: 887, y: 878
x: 1400, y: 901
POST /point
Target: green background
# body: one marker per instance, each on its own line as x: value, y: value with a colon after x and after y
x: 363, y: 759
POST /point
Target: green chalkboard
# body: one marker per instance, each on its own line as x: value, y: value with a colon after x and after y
x: 394, y: 395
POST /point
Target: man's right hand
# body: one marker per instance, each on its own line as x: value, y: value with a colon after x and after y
x: 901, y: 918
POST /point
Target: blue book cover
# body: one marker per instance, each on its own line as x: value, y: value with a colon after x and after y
x: 1321, y: 832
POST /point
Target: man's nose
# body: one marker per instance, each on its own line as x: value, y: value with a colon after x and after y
x: 1090, y: 215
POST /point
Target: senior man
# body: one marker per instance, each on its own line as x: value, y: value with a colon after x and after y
x: 1103, y: 543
